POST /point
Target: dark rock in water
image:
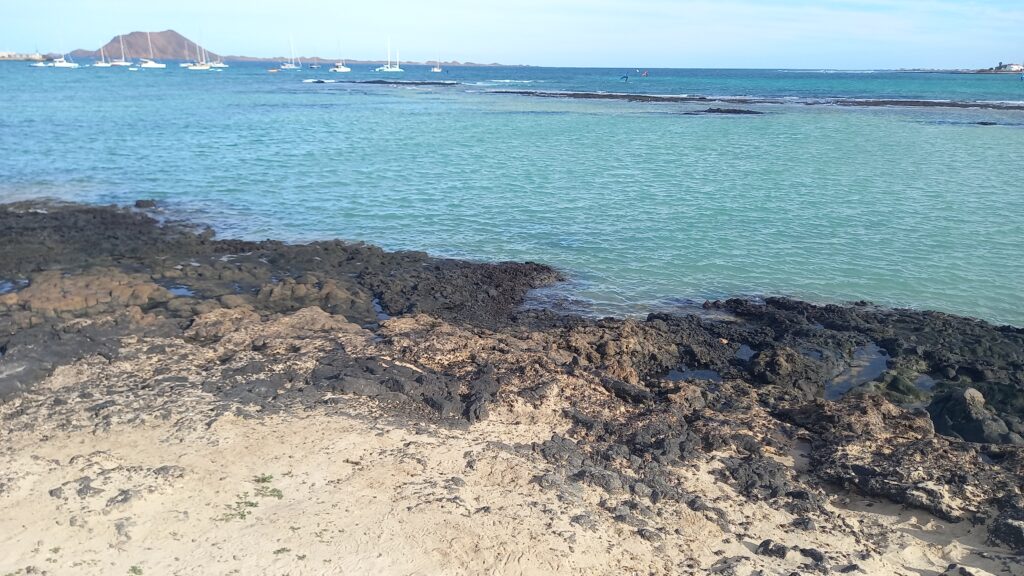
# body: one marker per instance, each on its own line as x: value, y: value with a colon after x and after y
x: 145, y: 204
x: 987, y: 123
x: 738, y: 111
x: 961, y: 412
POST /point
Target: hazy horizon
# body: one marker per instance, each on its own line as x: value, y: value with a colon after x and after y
x: 850, y: 34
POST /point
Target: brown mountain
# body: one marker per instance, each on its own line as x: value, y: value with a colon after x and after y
x: 167, y: 45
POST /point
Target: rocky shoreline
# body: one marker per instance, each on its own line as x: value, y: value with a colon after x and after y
x: 699, y: 99
x: 112, y: 322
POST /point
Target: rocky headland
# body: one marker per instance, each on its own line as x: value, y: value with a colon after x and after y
x: 172, y: 403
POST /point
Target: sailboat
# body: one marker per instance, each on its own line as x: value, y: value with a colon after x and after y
x: 389, y: 67
x: 218, y: 63
x: 200, y: 63
x: 149, y: 62
x: 102, y: 62
x: 339, y: 66
x: 188, y: 58
x: 437, y: 68
x: 122, y: 61
x: 292, y: 63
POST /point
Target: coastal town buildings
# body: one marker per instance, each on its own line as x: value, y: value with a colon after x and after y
x: 19, y: 56
x: 1009, y: 67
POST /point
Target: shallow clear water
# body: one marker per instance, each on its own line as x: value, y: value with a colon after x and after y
x: 644, y: 207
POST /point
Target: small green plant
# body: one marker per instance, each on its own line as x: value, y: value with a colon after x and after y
x: 263, y: 479
x: 135, y: 570
x: 240, y: 510
x: 268, y: 492
x: 280, y: 551
x: 55, y: 550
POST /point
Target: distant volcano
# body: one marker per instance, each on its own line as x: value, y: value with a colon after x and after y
x: 167, y: 45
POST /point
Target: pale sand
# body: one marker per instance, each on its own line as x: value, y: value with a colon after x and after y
x: 362, y: 492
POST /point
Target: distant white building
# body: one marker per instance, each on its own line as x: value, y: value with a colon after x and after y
x: 20, y: 56
x: 1009, y: 67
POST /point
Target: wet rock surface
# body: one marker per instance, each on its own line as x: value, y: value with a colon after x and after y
x: 741, y: 395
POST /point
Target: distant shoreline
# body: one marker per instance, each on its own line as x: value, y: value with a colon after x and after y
x: 455, y: 63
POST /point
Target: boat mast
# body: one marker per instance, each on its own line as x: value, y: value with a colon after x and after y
x: 389, y: 53
x: 121, y: 38
x: 150, y: 40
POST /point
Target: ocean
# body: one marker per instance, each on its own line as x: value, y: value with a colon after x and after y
x: 643, y: 205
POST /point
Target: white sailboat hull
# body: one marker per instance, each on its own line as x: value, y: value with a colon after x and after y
x: 151, y: 64
x: 389, y: 67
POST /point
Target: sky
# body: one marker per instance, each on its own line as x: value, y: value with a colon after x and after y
x: 838, y: 34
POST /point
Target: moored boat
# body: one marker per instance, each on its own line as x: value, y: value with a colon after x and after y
x: 389, y: 67
x: 122, y: 61
x: 62, y: 62
x: 150, y: 62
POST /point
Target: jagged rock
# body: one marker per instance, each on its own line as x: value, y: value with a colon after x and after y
x: 961, y: 412
x: 770, y: 547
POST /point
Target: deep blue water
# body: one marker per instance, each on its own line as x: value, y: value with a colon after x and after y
x: 644, y: 206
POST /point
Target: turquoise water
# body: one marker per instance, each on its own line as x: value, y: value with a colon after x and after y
x: 644, y: 207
